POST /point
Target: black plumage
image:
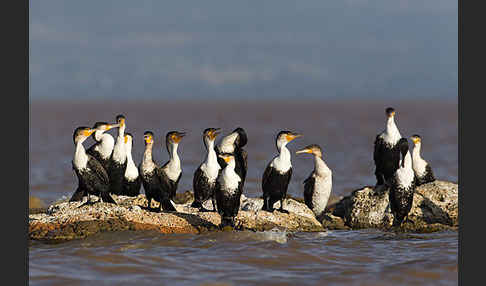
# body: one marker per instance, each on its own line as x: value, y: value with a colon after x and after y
x: 228, y: 196
x: 402, y: 186
x: 152, y: 185
x: 204, y: 181
x: 168, y: 186
x: 428, y: 177
x: 386, y: 153
x: 277, y: 174
x: 92, y: 178
x: 151, y: 177
x: 131, y: 187
x: 309, y: 184
x: 203, y: 190
x: 116, y: 173
x: 386, y: 159
x: 241, y: 156
x: 274, y: 186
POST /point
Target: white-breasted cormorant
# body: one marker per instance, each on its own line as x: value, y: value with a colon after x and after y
x: 204, y: 181
x: 118, y: 160
x: 233, y: 144
x: 386, y: 153
x: 318, y: 186
x: 402, y: 185
x: 228, y: 191
x: 423, y: 171
x: 151, y: 177
x: 171, y: 171
x: 278, y: 172
x: 92, y: 177
x: 131, y: 179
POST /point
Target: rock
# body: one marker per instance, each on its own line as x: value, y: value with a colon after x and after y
x: 435, y: 207
x: 65, y: 220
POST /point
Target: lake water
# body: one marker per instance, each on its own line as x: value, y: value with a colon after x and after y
x: 345, y: 130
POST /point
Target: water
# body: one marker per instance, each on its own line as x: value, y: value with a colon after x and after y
x: 345, y: 129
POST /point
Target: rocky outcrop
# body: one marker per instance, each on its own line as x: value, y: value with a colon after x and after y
x: 435, y: 207
x: 65, y: 221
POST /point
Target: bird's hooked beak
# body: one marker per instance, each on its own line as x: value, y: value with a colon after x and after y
x: 88, y: 132
x: 148, y: 139
x: 292, y: 136
x: 111, y: 126
x: 305, y: 150
x: 178, y: 136
x: 415, y: 140
x: 226, y: 158
x: 213, y: 133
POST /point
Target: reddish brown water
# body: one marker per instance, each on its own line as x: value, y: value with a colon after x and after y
x: 345, y: 129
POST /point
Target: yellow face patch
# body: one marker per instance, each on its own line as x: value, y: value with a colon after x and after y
x: 415, y: 140
x: 87, y: 132
x: 148, y: 139
x: 108, y: 127
x: 227, y: 159
x: 176, y: 138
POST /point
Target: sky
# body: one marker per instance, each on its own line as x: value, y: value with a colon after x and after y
x: 237, y: 49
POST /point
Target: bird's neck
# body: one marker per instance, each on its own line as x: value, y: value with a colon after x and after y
x: 147, y: 154
x: 80, y: 156
x: 174, y: 161
x: 211, y: 158
x: 284, y: 154
x: 391, y: 131
x: 320, y: 167
x: 416, y: 152
x: 119, y: 153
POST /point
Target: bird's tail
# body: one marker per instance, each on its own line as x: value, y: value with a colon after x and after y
x: 196, y: 204
x: 105, y: 196
x: 78, y: 195
x: 167, y: 205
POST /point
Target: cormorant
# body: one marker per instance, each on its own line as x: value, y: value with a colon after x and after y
x: 228, y: 191
x: 402, y: 185
x: 118, y: 160
x: 317, y: 187
x: 92, y: 177
x: 423, y: 171
x: 131, y: 180
x: 387, y: 154
x: 171, y: 171
x: 151, y: 177
x: 233, y: 144
x: 205, y: 176
x: 277, y: 175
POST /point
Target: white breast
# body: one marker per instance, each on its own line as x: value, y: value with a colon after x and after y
x: 229, y: 180
x: 173, y: 170
x: 210, y: 171
x: 105, y: 148
x: 282, y: 162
